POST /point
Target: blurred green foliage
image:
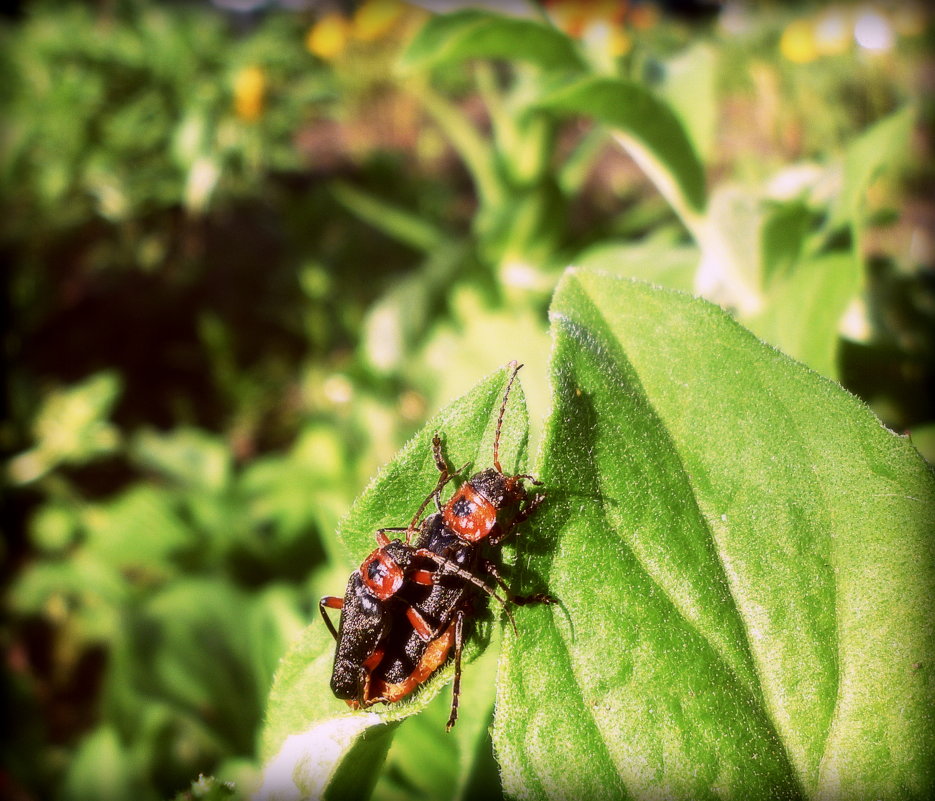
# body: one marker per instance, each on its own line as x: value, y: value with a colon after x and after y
x: 244, y: 266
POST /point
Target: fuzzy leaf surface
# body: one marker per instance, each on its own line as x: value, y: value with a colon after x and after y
x: 745, y: 566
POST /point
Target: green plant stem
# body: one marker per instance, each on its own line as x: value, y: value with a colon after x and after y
x: 467, y: 141
x: 392, y: 220
x: 502, y: 121
x: 574, y: 171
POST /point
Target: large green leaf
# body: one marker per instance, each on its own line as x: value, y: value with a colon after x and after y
x: 745, y: 564
x: 480, y: 34
x: 312, y: 742
x: 650, y: 131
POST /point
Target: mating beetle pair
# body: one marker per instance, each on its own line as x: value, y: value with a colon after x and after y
x: 404, y: 610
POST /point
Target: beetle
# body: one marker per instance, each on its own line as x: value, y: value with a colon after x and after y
x: 401, y: 587
x: 380, y: 658
x: 370, y: 605
x: 449, y: 605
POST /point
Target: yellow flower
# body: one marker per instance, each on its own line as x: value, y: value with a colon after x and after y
x: 620, y: 42
x: 375, y: 18
x: 797, y: 43
x: 249, y: 92
x: 328, y: 37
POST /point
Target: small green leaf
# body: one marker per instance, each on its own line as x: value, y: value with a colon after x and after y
x: 745, y: 569
x: 394, y: 221
x: 479, y: 34
x: 783, y: 233
x: 102, y: 768
x: 191, y: 457
x: 206, y: 650
x: 303, y: 717
x: 649, y: 130
x: 139, y: 530
x: 802, y: 314
x: 53, y: 527
x: 89, y: 589
x: 71, y: 427
x: 879, y: 147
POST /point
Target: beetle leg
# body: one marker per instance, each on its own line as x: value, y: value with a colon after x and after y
x: 519, y: 600
x: 521, y: 516
x: 444, y: 477
x: 382, y: 539
x: 330, y: 602
x: 440, y: 461
x: 420, y: 625
x: 366, y: 673
x: 456, y: 685
x: 449, y: 567
x: 424, y: 577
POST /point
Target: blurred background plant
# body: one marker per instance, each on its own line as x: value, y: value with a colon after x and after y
x: 252, y: 245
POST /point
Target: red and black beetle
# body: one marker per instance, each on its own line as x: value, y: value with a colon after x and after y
x: 405, y: 609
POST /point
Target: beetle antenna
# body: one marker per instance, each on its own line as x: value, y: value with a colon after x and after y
x: 444, y: 477
x: 496, y: 440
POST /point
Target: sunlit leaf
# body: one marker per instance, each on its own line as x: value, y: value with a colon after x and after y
x: 689, y: 84
x: 731, y: 271
x: 648, y: 129
x: 744, y: 561
x: 53, y: 527
x: 480, y: 34
x: 71, y: 426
